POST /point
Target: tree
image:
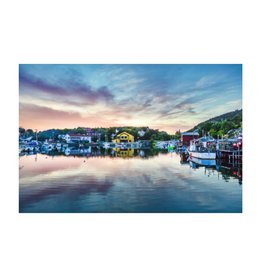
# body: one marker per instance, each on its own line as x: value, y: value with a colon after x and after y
x: 21, y: 130
x: 177, y: 135
x: 212, y: 132
x: 220, y: 133
x: 80, y: 130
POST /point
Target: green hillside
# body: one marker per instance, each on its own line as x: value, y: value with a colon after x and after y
x: 224, y: 124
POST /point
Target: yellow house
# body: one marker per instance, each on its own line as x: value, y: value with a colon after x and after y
x: 123, y: 137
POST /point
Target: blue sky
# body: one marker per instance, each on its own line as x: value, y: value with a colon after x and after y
x: 167, y: 97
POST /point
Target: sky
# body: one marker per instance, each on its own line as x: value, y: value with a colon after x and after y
x: 167, y: 97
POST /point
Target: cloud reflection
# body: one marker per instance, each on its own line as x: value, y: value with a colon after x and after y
x: 158, y: 184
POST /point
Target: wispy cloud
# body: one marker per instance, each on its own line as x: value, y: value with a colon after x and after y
x: 69, y: 89
x: 164, y: 96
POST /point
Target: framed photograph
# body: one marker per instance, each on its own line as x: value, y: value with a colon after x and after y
x: 130, y: 138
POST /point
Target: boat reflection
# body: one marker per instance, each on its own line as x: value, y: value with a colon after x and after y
x: 184, y: 159
x: 226, y: 169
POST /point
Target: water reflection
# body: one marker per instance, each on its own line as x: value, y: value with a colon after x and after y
x: 225, y: 169
x: 98, y: 151
x: 126, y: 180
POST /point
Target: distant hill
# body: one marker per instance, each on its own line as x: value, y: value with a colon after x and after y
x: 227, y: 116
x: 220, y: 125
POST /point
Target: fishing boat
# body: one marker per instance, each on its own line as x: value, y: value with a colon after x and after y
x: 202, y: 162
x: 197, y: 150
x: 181, y: 149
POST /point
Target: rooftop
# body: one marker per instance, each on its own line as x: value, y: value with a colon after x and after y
x: 190, y: 133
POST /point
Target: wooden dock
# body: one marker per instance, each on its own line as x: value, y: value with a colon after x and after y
x: 230, y: 155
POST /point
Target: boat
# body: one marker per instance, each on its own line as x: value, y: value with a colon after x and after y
x: 197, y: 150
x: 58, y: 146
x: 170, y: 148
x: 121, y: 145
x: 161, y: 145
x: 106, y: 145
x: 202, y: 162
x: 181, y: 149
x: 67, y: 151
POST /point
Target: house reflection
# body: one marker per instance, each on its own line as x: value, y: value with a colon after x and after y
x: 124, y: 152
x: 101, y: 152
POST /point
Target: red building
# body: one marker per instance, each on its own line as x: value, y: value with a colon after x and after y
x: 186, y: 137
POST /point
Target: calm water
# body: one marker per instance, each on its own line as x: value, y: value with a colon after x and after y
x: 134, y: 181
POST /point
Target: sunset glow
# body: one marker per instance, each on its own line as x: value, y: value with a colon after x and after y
x: 165, y: 97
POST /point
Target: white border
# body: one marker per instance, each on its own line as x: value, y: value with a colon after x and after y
x: 130, y: 32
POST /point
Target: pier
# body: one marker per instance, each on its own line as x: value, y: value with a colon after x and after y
x: 230, y: 155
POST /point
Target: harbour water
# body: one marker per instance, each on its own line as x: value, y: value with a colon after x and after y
x: 127, y: 181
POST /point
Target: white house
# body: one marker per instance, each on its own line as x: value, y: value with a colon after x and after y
x: 141, y: 133
x: 76, y: 138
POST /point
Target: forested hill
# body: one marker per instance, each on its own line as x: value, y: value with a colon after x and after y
x: 221, y: 124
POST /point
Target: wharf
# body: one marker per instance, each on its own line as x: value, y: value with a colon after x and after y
x: 230, y: 155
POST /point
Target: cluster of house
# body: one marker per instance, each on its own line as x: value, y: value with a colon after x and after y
x: 208, y: 141
x: 118, y: 137
x: 87, y: 137
x: 72, y: 138
x: 122, y: 137
x: 125, y: 137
